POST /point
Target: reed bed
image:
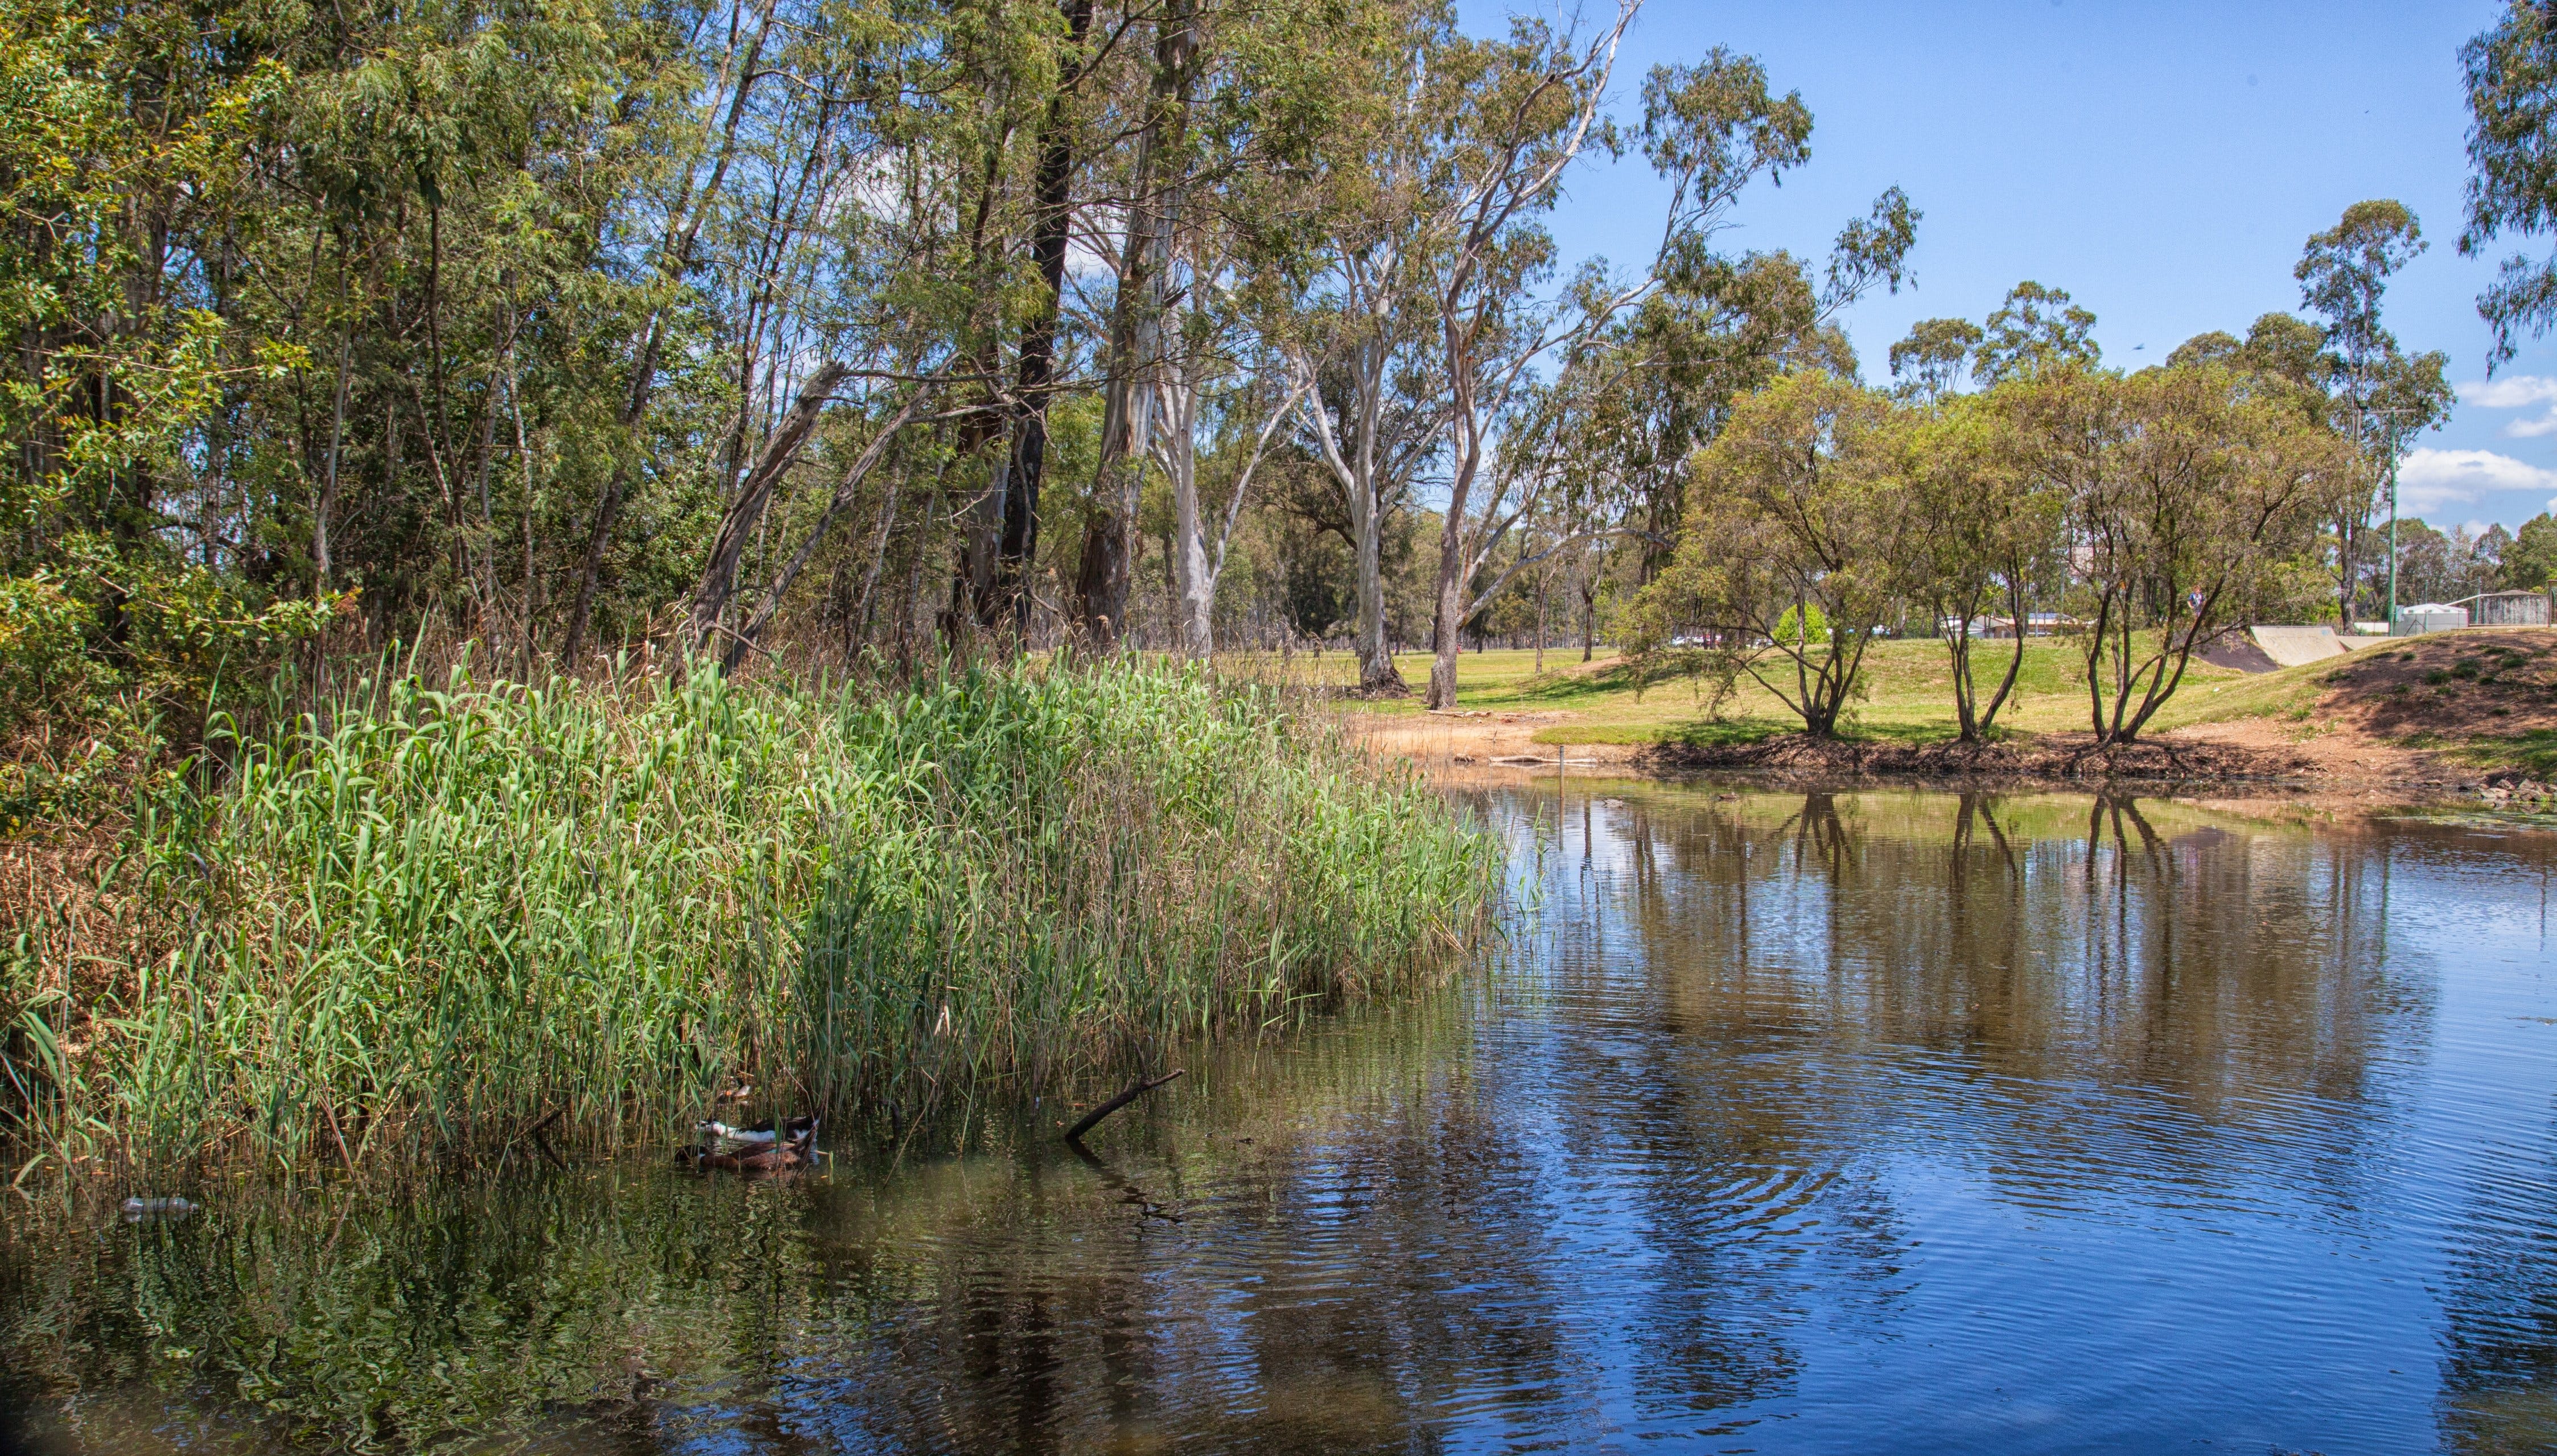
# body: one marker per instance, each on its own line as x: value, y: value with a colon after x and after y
x: 436, y: 915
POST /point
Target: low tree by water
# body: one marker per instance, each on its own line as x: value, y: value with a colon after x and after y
x: 1797, y: 507
x: 1984, y: 538
x: 2191, y: 499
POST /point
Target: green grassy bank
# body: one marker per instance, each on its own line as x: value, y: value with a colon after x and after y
x: 1908, y: 694
x: 2481, y: 699
x: 445, y: 913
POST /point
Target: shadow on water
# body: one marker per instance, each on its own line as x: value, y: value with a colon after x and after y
x: 1887, y: 1122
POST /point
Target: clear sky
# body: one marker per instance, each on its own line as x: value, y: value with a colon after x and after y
x: 2162, y: 162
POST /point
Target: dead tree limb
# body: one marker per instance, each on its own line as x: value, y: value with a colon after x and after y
x: 1136, y: 1089
x: 540, y: 1134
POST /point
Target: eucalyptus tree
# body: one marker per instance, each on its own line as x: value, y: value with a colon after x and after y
x: 1984, y: 534
x: 2511, y: 74
x: 1021, y: 472
x: 1218, y: 396
x: 1239, y: 94
x: 2383, y: 396
x: 1935, y: 359
x: 1717, y: 328
x: 1703, y: 128
x: 1354, y: 275
x: 694, y: 191
x: 1518, y: 112
x: 2036, y: 331
x: 2531, y: 562
x: 1706, y: 327
x: 1159, y: 180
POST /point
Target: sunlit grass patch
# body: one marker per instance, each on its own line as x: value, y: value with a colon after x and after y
x: 2533, y: 752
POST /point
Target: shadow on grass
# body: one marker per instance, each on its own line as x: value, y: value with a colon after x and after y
x: 2533, y: 752
x: 1907, y: 734
x: 1743, y: 732
x: 1731, y: 734
x: 1563, y: 686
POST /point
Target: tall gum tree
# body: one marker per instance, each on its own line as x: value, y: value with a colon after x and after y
x: 1354, y: 274
x: 2382, y: 397
x: 1529, y: 108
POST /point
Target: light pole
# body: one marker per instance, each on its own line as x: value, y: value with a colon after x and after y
x: 2392, y: 534
x: 2392, y: 415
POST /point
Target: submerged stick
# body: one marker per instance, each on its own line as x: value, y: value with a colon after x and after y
x: 1136, y: 1089
x: 540, y: 1131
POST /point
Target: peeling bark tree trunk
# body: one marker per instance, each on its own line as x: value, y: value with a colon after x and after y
x: 1137, y: 341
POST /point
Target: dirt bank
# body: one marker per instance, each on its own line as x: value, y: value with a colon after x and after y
x: 2073, y: 756
x: 1476, y: 739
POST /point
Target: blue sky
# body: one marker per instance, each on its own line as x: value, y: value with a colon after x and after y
x: 2162, y: 162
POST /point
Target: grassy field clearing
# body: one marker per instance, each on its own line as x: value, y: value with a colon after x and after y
x: 2449, y: 703
x: 1908, y: 697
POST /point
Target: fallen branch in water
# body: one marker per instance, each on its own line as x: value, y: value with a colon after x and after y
x: 1136, y: 1089
x: 539, y: 1133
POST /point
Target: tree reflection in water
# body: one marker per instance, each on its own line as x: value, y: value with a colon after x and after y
x: 1874, y: 1121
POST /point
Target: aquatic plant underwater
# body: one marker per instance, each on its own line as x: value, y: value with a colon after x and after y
x: 436, y: 915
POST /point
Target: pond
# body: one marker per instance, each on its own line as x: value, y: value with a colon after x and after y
x: 1873, y: 1122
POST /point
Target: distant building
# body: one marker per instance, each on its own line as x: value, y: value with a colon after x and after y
x: 2429, y: 616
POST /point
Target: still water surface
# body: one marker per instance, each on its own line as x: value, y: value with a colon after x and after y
x: 1872, y: 1123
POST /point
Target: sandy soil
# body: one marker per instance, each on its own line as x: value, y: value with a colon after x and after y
x: 1483, y: 739
x: 2339, y: 756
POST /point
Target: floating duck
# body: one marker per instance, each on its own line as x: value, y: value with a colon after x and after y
x: 760, y: 1147
x: 138, y: 1209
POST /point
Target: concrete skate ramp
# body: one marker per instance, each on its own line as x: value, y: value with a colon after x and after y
x: 2291, y: 646
x: 2237, y: 652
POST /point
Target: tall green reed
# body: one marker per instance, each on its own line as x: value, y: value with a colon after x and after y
x: 434, y: 914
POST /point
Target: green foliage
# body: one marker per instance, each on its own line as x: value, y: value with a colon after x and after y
x: 1983, y: 538
x: 1935, y: 357
x: 2191, y: 494
x: 2037, y: 330
x: 2363, y: 385
x: 1795, y: 509
x: 1802, y: 625
x: 428, y: 914
x: 106, y: 626
x: 2512, y: 75
x: 2530, y: 563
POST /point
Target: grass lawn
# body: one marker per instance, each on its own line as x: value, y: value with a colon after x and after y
x: 1909, y: 694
